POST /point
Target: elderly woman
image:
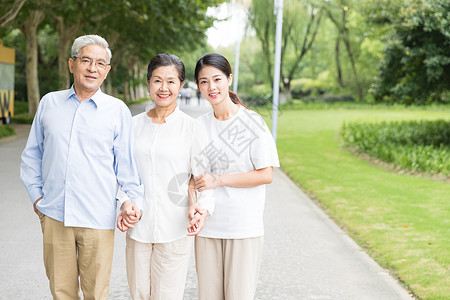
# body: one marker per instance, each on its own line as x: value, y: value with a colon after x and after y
x: 168, y: 150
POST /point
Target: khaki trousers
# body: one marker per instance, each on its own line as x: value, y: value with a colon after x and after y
x: 158, y: 271
x: 70, y: 252
x: 227, y: 268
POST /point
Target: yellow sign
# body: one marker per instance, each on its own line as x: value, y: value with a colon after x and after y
x: 7, y: 55
x: 6, y: 102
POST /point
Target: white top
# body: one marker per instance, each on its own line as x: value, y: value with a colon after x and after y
x: 166, y: 155
x: 240, y: 144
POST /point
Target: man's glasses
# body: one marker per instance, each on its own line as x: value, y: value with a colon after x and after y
x: 86, y: 61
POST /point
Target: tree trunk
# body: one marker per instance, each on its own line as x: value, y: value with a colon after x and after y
x: 338, y: 61
x: 132, y: 91
x: 12, y: 13
x: 284, y: 96
x: 352, y: 62
x: 108, y: 86
x: 286, y: 90
x: 30, y: 31
x: 65, y: 37
x: 126, y: 90
x: 115, y: 92
x: 350, y: 53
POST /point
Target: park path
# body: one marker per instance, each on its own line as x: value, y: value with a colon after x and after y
x: 306, y: 255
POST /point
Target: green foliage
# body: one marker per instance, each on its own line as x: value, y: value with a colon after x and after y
x: 415, y: 68
x: 6, y: 130
x: 301, y: 20
x: 416, y: 145
x: 258, y: 95
x: 21, y: 115
x: 302, y: 87
x: 20, y: 107
x: 22, y: 118
x: 48, y: 60
x: 136, y: 31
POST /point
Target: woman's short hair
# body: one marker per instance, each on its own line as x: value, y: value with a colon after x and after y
x: 163, y: 60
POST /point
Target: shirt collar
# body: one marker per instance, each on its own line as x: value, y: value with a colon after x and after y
x: 170, y: 117
x: 98, y: 98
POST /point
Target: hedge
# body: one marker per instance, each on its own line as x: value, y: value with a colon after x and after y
x: 416, y: 145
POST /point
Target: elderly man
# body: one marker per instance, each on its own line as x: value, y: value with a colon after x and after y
x: 78, y: 151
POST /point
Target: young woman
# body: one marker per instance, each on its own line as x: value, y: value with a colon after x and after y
x: 242, y: 154
x: 168, y: 146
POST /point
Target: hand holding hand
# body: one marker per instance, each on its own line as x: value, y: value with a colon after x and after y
x: 120, y: 224
x: 130, y: 214
x: 207, y: 181
x: 197, y: 217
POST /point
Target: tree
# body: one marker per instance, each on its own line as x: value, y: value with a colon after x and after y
x: 415, y: 68
x: 68, y: 18
x: 301, y: 21
x: 29, y: 29
x: 11, y: 14
x: 152, y: 27
x: 136, y: 31
x: 337, y: 13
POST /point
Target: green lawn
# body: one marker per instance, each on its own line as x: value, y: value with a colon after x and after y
x: 402, y: 221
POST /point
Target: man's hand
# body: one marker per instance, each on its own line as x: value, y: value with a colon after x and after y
x: 130, y: 214
x: 207, y: 181
x: 197, y: 217
x: 34, y: 205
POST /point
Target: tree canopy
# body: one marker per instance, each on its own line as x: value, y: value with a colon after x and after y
x: 415, y: 68
x: 136, y: 31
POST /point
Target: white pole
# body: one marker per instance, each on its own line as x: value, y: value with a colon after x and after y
x: 238, y: 45
x: 236, y: 66
x: 278, y: 10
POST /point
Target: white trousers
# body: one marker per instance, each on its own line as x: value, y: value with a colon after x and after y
x: 227, y: 269
x: 158, y: 271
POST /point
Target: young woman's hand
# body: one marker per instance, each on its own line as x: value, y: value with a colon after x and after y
x: 197, y: 217
x: 207, y: 181
x: 120, y: 224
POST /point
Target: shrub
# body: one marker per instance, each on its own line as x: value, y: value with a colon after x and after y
x: 5, y: 130
x: 20, y: 107
x: 22, y: 118
x: 331, y: 98
x: 259, y: 95
x: 303, y: 87
x: 416, y: 145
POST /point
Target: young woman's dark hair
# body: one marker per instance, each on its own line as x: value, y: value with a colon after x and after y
x: 217, y: 61
x: 163, y: 60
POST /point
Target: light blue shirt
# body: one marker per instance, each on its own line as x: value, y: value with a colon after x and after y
x: 76, y: 155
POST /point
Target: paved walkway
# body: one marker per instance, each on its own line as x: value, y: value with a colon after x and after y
x: 306, y: 255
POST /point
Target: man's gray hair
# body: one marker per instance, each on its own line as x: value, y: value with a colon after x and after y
x: 92, y: 39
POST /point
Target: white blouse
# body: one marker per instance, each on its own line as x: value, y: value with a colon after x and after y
x: 166, y: 155
x: 240, y: 144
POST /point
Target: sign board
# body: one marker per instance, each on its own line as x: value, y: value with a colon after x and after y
x: 7, y: 64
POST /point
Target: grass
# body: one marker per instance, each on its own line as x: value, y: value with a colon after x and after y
x: 402, y: 221
x: 5, y: 131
